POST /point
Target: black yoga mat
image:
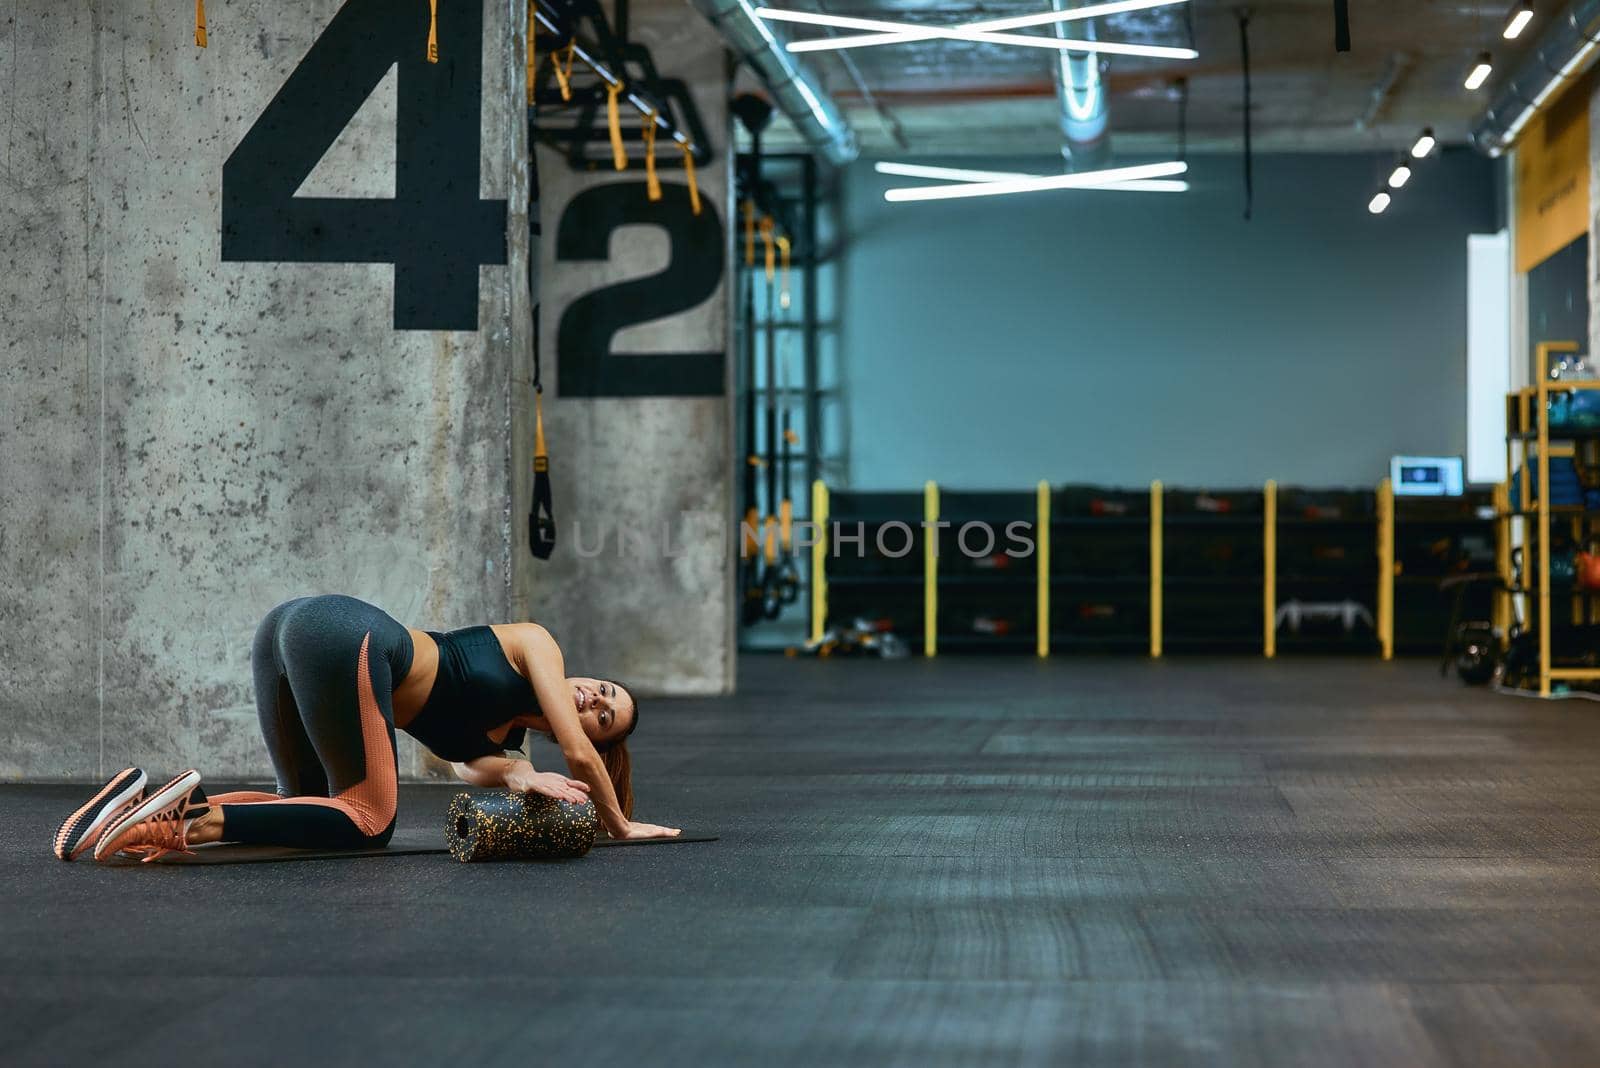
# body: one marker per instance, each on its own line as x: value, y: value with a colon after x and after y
x: 405, y: 843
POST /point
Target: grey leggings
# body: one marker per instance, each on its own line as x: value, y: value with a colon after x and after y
x: 325, y: 669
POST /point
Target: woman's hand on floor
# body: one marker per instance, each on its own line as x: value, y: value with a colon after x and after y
x: 650, y: 830
x: 524, y: 780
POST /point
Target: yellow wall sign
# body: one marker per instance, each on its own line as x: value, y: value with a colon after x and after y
x: 1552, y: 165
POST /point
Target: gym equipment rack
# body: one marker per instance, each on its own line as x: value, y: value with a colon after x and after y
x: 1531, y: 443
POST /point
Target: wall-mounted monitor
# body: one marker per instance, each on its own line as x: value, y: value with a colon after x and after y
x: 1426, y: 476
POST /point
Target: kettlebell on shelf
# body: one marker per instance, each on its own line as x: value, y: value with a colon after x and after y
x: 1587, y: 567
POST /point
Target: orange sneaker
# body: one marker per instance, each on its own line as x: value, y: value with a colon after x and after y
x: 159, y: 824
x: 81, y: 830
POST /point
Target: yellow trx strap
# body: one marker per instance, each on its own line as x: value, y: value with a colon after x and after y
x: 652, y: 185
x: 688, y: 173
x: 541, y: 456
x: 200, y: 22
x: 749, y: 233
x: 433, y: 31
x: 533, y: 49
x: 786, y: 509
x: 619, y: 157
x: 564, y: 71
x: 783, y: 289
x: 766, y: 239
x: 750, y: 542
x: 541, y: 517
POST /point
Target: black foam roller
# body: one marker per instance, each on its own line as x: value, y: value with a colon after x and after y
x: 508, y: 826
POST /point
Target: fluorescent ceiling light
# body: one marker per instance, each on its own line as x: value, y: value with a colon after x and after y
x: 1057, y: 44
x: 918, y: 32
x: 959, y: 174
x: 1031, y: 184
x: 1148, y: 185
x: 1521, y: 15
x: 1378, y: 203
x: 1400, y: 176
x: 1424, y: 145
x: 946, y: 174
x: 1480, y: 73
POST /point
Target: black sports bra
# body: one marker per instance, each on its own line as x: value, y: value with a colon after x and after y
x: 475, y: 691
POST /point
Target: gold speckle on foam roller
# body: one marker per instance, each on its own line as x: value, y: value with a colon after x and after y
x: 507, y: 826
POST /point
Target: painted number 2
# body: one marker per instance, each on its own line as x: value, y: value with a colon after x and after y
x: 585, y: 364
x: 436, y: 231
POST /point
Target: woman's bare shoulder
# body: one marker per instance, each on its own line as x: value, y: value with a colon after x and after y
x: 528, y: 636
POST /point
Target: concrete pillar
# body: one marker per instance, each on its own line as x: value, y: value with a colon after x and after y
x: 634, y: 340
x: 195, y: 429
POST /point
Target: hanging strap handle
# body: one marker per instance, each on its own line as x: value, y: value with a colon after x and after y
x: 766, y: 240
x: 783, y: 258
x: 563, y: 71
x: 652, y: 184
x: 688, y: 173
x: 619, y: 156
x: 200, y: 23
x: 433, y: 31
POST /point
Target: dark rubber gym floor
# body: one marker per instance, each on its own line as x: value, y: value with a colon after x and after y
x: 965, y: 862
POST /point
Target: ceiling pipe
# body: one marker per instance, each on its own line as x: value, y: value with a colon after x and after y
x: 796, y: 94
x: 1566, y: 49
x: 1381, y: 95
x: 1085, y: 116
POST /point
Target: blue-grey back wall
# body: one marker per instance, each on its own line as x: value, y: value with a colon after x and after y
x: 1117, y: 338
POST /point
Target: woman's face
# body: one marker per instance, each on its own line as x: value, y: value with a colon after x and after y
x: 604, y: 708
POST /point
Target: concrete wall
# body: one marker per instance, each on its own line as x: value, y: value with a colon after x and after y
x: 1558, y: 299
x: 1119, y: 337
x: 185, y: 441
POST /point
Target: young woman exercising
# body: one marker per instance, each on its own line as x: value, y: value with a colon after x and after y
x: 334, y: 677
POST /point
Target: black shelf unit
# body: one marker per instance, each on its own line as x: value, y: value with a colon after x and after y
x: 1436, y: 538
x: 865, y: 582
x: 1100, y: 568
x: 987, y: 570
x: 1327, y: 554
x: 1213, y: 575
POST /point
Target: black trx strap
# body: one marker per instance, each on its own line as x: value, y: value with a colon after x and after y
x: 788, y: 575
x: 541, y: 519
x: 771, y: 598
x: 749, y: 533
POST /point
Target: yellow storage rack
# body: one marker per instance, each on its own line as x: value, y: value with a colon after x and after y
x: 1528, y: 431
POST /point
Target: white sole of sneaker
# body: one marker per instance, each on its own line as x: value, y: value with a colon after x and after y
x: 153, y: 803
x: 81, y: 830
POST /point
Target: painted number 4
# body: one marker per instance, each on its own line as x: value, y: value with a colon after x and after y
x: 436, y: 231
